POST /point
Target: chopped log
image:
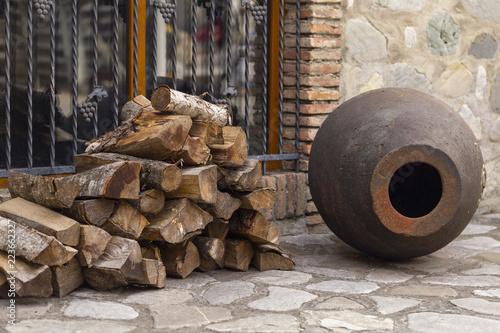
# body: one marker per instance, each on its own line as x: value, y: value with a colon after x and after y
x: 119, y: 265
x: 216, y: 229
x: 245, y: 178
x: 198, y: 184
x: 180, y: 260
x: 179, y: 221
x: 132, y: 108
x: 154, y: 174
x: 43, y: 219
x: 234, y: 151
x: 252, y: 225
x: 155, y: 274
x: 93, y: 242
x: 211, y: 253
x: 150, y: 251
x: 125, y: 221
x: 118, y: 180
x: 269, y: 260
x: 33, y: 245
x: 147, y: 135
x: 4, y: 195
x: 207, y: 131
x: 239, y: 254
x: 224, y: 206
x: 194, y: 152
x: 66, y: 278
x: 48, y: 192
x: 91, y: 211
x: 31, y: 280
x: 149, y: 202
x: 165, y: 99
x: 257, y: 200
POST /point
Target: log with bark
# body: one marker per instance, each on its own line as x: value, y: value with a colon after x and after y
x: 132, y: 107
x: 119, y: 180
x: 4, y: 195
x: 257, y: 200
x: 154, y: 174
x: 42, y: 219
x: 93, y: 242
x: 91, y: 211
x: 208, y: 132
x: 155, y: 274
x: 239, y: 254
x: 216, y: 229
x: 66, y: 278
x: 224, y: 206
x: 150, y: 202
x: 180, y: 259
x: 211, y: 253
x: 198, y: 184
x: 48, y: 192
x: 125, y: 221
x: 234, y: 151
x: 252, y: 225
x: 194, y: 152
x: 179, y: 221
x: 34, y: 246
x: 268, y: 257
x: 119, y: 265
x: 165, y: 99
x: 31, y: 280
x: 245, y: 178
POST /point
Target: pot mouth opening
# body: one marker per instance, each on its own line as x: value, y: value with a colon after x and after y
x: 415, y: 189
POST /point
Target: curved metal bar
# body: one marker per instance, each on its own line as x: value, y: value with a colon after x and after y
x: 74, y: 68
x: 95, y: 29
x: 154, y: 56
x: 229, y: 39
x: 8, y: 146
x: 211, y: 50
x: 280, y: 105
x: 297, y: 81
x: 247, y: 46
x: 52, y: 86
x: 265, y: 148
x: 174, y: 46
x: 30, y: 84
x: 135, y: 43
x: 115, y: 64
x: 194, y: 41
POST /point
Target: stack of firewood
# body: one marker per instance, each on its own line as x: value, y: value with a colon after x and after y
x: 169, y: 191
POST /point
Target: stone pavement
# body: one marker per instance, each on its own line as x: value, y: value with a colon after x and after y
x: 332, y: 288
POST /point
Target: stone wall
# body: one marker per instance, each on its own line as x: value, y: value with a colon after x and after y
x: 447, y: 48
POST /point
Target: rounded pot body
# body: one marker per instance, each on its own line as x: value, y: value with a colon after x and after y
x: 396, y: 173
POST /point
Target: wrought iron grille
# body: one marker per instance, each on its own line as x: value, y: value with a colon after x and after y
x: 65, y: 70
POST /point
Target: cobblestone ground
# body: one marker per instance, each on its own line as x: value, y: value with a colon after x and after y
x: 332, y: 288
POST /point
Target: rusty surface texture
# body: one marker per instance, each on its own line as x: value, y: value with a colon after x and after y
x: 396, y: 173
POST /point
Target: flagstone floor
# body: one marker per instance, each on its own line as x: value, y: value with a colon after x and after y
x: 332, y: 288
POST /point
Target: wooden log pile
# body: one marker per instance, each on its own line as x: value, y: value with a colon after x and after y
x: 169, y: 191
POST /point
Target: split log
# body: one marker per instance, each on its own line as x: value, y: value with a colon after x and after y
x: 93, y: 242
x: 125, y: 221
x: 154, y: 174
x: 43, y: 219
x: 180, y: 260
x: 216, y: 229
x: 179, y: 221
x: 268, y: 257
x: 165, y: 99
x: 66, y: 278
x: 207, y: 131
x: 234, y: 151
x: 224, y: 206
x: 119, y: 265
x: 149, y: 202
x: 148, y: 135
x: 198, y: 184
x: 34, y: 246
x: 132, y: 107
x: 91, y: 211
x: 252, y: 225
x: 4, y: 195
x: 150, y: 251
x: 211, y: 253
x: 48, y: 192
x: 155, y: 274
x: 257, y: 200
x: 245, y: 178
x: 194, y: 152
x: 31, y: 280
x: 118, y: 180
x: 239, y: 254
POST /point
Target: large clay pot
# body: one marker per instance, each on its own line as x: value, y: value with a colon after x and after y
x: 396, y: 173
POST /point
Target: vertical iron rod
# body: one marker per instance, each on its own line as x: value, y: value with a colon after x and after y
x: 211, y: 50
x: 280, y: 105
x: 154, y: 77
x: 264, y: 87
x: 53, y: 85
x: 247, y: 46
x: 174, y: 46
x: 8, y: 147
x: 229, y: 28
x: 135, y: 43
x: 30, y: 84
x: 297, y: 81
x: 74, y: 68
x: 95, y: 79
x: 115, y: 63
x: 194, y: 32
